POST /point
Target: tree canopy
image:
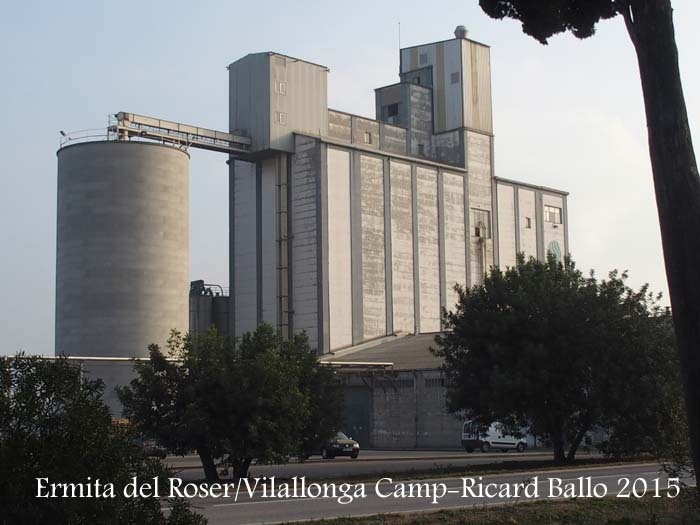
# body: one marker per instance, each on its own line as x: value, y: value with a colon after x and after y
x: 543, y: 348
x: 54, y: 424
x: 542, y: 19
x: 252, y: 399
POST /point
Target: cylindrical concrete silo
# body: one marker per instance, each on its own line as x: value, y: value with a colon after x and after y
x: 122, y: 247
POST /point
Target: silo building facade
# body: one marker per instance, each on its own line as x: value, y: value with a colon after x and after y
x: 354, y: 230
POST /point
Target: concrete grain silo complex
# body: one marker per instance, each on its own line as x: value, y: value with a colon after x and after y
x: 352, y: 229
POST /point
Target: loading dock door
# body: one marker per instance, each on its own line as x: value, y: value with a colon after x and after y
x: 356, y: 414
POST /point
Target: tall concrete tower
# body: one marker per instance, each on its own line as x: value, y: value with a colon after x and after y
x: 121, y: 247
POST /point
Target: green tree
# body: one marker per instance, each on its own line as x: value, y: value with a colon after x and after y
x: 54, y: 424
x: 324, y: 397
x: 254, y: 400
x: 178, y: 408
x: 543, y: 348
x: 676, y: 182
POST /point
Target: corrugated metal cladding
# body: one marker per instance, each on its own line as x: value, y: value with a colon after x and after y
x: 272, y: 96
x: 476, y: 67
x: 461, y: 82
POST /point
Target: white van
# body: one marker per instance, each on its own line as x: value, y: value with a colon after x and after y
x: 475, y: 437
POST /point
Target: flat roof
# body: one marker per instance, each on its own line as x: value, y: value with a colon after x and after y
x: 405, y: 352
x: 532, y: 186
x: 275, y: 53
x: 443, y: 41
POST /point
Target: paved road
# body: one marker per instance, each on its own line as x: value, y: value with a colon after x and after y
x: 446, y: 492
x: 371, y: 462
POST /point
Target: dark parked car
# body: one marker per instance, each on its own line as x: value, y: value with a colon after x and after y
x: 340, y: 445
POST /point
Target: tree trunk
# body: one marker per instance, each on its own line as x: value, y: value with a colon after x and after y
x: 558, y: 446
x: 676, y: 183
x: 241, y: 467
x: 207, y: 460
x: 573, y: 447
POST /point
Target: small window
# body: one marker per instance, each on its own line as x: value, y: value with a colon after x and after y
x: 421, y: 149
x: 392, y: 110
x: 416, y: 80
x: 281, y: 88
x: 481, y: 223
x: 281, y: 118
x: 368, y: 137
x: 454, y: 77
x: 528, y: 223
x: 423, y: 58
x: 552, y: 214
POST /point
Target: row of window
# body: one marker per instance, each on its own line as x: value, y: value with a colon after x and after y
x: 481, y: 220
x: 423, y: 59
x: 280, y: 116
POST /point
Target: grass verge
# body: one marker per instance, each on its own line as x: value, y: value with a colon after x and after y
x: 504, y: 467
x: 683, y: 510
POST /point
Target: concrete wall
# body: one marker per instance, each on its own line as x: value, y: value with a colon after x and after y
x: 455, y: 256
x: 407, y: 410
x: 402, y: 284
x: 366, y: 133
x: 339, y: 249
x: 420, y: 129
x: 478, y: 155
x: 304, y: 220
x: 506, y: 226
x: 386, y: 96
x: 122, y: 255
x: 270, y: 175
x: 112, y: 374
x: 350, y: 129
x: 340, y: 126
x: 521, y: 221
x: 428, y: 249
x: 448, y: 149
x: 373, y: 258
x: 554, y: 234
x: 243, y: 233
x: 393, y: 139
x: 527, y: 213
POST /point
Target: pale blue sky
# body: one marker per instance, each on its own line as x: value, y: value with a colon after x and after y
x: 569, y: 115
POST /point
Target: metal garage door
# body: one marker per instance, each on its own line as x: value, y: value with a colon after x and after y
x: 356, y: 414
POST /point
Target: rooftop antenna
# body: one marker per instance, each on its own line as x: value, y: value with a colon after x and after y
x: 399, y: 34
